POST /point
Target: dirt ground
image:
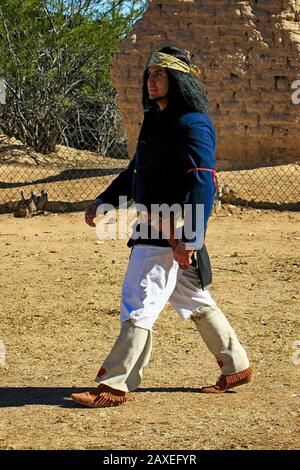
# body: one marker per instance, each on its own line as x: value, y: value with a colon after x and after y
x: 60, y: 292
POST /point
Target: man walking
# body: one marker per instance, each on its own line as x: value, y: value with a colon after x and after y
x: 174, y: 165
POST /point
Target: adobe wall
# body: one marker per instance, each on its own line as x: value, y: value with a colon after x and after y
x: 249, y: 55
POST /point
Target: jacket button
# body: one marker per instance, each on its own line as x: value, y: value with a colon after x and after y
x: 135, y: 170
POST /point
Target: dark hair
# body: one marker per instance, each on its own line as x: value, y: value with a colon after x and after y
x: 185, y: 91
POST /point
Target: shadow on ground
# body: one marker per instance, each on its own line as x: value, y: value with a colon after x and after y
x: 60, y: 396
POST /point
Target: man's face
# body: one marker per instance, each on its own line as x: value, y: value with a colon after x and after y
x: 158, y: 83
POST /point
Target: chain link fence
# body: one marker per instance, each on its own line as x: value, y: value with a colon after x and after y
x: 91, y: 149
x: 269, y: 187
x: 74, y: 175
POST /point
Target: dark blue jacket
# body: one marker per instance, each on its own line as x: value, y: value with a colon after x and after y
x: 174, y: 163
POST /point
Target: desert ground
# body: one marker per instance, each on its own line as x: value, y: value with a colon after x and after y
x: 60, y: 293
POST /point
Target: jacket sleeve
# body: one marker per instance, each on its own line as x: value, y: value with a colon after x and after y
x: 199, y: 141
x: 120, y: 186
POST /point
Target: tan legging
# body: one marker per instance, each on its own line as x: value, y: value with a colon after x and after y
x: 221, y: 339
x: 123, y: 367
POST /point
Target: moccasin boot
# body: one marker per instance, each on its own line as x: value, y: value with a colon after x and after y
x: 226, y: 382
x: 101, y: 397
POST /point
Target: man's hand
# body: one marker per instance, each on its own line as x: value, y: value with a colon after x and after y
x: 183, y: 256
x: 90, y: 214
x: 166, y: 226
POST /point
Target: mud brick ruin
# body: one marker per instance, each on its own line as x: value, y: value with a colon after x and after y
x: 249, y: 55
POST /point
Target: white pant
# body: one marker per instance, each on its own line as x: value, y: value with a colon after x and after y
x: 152, y: 279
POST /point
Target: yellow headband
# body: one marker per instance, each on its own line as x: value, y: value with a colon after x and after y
x: 166, y: 60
